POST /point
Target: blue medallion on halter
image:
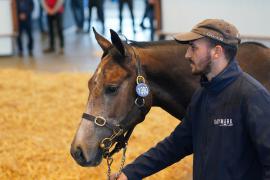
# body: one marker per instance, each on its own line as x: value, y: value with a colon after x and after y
x: 142, y: 90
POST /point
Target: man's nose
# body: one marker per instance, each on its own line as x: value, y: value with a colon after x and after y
x: 188, y: 55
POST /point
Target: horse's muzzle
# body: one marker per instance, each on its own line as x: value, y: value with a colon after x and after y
x: 81, y: 159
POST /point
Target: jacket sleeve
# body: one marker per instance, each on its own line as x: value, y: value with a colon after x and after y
x: 17, y: 6
x: 258, y: 123
x: 165, y: 153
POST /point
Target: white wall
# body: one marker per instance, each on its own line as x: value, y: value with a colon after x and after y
x: 251, y: 17
x: 5, y: 17
x: 6, y: 28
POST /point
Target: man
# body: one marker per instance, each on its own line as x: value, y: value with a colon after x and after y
x: 24, y: 12
x: 227, y: 124
x: 54, y: 9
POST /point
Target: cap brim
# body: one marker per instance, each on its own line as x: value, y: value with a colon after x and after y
x: 186, y: 37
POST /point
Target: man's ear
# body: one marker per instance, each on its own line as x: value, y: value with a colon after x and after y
x: 218, y: 52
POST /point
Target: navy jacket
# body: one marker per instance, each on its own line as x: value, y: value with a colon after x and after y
x: 25, y: 6
x: 227, y: 128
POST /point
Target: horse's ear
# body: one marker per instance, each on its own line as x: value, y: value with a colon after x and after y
x: 116, y: 41
x: 103, y: 42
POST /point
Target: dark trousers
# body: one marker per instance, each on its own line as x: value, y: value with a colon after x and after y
x: 58, y: 19
x: 27, y: 27
x: 130, y: 6
x: 40, y: 19
x: 78, y: 12
x: 100, y: 11
x: 150, y: 13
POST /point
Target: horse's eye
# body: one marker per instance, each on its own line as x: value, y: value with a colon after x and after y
x: 111, y: 89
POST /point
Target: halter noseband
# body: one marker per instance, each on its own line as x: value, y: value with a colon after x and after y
x: 106, y: 143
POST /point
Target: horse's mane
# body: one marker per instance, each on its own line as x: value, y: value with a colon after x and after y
x: 146, y: 44
x: 139, y: 44
x: 254, y: 43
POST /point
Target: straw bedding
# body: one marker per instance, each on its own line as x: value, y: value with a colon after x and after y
x: 39, y: 114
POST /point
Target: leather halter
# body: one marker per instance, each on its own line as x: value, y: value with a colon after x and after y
x: 120, y: 134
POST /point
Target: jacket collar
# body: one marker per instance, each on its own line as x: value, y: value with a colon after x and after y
x: 223, y: 79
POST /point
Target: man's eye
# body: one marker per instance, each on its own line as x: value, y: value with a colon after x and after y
x: 111, y: 89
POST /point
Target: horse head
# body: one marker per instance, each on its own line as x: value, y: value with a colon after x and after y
x: 118, y: 100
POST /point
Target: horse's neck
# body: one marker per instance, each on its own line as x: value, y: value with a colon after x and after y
x: 169, y: 76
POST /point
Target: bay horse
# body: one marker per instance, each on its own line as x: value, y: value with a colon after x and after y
x: 112, y: 107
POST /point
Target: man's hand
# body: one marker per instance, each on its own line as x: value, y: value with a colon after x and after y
x: 50, y: 12
x: 22, y: 16
x: 122, y: 176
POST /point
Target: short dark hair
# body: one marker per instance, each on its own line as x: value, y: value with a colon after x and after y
x: 229, y: 50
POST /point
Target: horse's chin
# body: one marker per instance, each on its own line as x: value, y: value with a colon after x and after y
x: 90, y: 164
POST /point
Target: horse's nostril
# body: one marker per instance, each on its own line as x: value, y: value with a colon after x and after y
x: 78, y: 154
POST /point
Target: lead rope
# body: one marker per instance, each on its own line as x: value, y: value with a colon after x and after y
x: 110, y: 161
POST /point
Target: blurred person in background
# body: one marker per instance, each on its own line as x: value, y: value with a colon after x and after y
x: 24, y: 12
x: 130, y: 7
x: 100, y: 12
x: 77, y: 7
x: 149, y: 13
x: 54, y: 9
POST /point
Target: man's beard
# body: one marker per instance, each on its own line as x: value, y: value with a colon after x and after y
x: 205, y: 64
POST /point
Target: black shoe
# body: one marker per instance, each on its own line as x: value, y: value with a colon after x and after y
x: 79, y: 31
x: 31, y: 53
x: 20, y: 54
x: 61, y: 51
x: 49, y: 50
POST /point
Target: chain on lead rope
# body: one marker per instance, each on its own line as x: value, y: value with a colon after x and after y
x: 110, y: 161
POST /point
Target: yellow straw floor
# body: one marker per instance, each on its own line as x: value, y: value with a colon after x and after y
x: 39, y: 114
